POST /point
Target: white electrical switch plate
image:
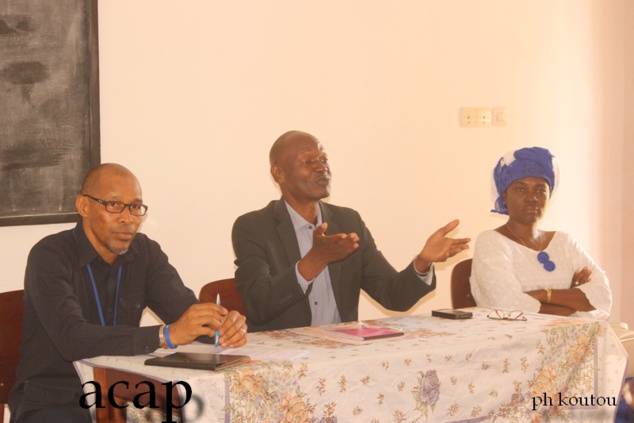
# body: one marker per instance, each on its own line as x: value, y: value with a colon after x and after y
x: 499, y: 116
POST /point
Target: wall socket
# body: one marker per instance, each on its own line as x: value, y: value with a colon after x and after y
x: 468, y: 116
x: 483, y: 117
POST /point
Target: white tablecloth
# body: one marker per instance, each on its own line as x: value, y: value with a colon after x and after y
x: 439, y: 371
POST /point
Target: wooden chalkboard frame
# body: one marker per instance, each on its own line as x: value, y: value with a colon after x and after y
x: 28, y: 151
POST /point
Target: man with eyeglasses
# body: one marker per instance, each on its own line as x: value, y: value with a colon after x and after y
x: 85, y: 291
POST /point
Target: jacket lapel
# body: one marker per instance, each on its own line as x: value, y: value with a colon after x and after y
x: 286, y: 232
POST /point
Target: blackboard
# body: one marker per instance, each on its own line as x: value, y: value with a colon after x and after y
x: 49, y: 107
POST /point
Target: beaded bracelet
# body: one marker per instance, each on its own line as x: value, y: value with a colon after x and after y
x: 167, y: 338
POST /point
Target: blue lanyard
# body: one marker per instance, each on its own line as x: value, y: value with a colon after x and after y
x: 116, y: 302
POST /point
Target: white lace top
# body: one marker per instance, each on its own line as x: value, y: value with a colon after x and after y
x: 503, y: 270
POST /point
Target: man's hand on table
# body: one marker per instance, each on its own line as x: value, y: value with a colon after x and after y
x: 204, y: 319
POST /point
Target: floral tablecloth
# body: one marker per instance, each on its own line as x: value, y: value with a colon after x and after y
x: 544, y: 369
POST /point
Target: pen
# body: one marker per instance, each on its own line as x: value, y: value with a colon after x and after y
x: 217, y: 334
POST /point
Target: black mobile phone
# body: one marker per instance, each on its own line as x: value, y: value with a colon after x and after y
x: 451, y: 313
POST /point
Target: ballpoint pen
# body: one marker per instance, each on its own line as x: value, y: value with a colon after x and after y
x: 217, y: 333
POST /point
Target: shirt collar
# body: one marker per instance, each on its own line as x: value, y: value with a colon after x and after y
x: 298, y: 221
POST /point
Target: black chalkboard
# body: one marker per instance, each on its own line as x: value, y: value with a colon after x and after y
x: 49, y: 107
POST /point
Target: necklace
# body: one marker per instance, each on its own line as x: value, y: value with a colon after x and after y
x: 518, y: 237
x: 542, y: 256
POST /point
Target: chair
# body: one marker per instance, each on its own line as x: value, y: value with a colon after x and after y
x: 11, y: 317
x: 460, y: 287
x: 230, y: 297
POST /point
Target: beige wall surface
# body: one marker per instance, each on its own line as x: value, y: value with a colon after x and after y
x: 627, y: 273
x: 193, y: 94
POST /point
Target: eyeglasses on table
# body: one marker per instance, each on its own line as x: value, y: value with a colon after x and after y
x: 514, y: 315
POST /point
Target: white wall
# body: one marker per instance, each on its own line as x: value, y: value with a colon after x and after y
x: 194, y: 93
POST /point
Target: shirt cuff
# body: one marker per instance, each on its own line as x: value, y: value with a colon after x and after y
x: 145, y: 340
x: 425, y: 277
x: 303, y: 283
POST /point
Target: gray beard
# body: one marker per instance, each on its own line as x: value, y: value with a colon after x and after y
x: 117, y: 252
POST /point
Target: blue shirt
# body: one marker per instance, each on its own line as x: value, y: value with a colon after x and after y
x: 323, y: 306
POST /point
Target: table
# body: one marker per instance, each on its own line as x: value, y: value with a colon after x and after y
x: 440, y: 371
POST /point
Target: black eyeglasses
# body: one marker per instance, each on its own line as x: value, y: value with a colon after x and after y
x: 511, y: 315
x: 119, y: 207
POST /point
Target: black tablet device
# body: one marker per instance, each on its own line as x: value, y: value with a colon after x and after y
x: 201, y: 361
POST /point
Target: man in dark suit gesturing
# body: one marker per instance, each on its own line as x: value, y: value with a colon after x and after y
x: 303, y: 262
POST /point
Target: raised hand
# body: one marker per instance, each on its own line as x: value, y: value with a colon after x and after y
x: 326, y: 249
x: 439, y: 248
x: 331, y: 248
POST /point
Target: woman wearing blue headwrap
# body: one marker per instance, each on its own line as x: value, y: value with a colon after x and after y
x: 518, y: 266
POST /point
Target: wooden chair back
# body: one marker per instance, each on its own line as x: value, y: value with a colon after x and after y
x: 11, y: 318
x: 230, y: 297
x: 460, y: 287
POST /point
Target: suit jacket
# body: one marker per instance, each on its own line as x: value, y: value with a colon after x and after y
x: 266, y: 251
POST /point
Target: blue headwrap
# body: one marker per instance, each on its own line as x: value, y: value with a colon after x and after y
x: 534, y: 161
